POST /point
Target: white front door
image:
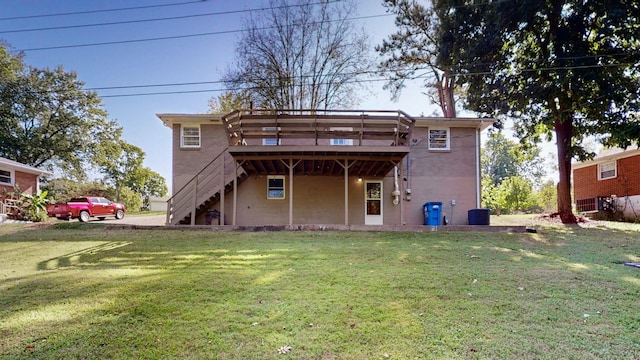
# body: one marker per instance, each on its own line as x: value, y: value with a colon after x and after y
x: 373, y: 203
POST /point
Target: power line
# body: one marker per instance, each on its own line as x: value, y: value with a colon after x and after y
x: 100, y: 11
x: 121, y: 87
x: 214, y: 90
x: 179, y: 36
x: 229, y: 12
x: 355, y: 81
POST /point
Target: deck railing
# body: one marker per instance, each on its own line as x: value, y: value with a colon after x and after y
x: 308, y: 127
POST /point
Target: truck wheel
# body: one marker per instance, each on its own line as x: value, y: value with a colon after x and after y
x: 119, y: 214
x: 84, y: 216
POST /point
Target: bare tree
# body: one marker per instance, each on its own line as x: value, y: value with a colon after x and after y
x: 419, y: 49
x: 307, y: 54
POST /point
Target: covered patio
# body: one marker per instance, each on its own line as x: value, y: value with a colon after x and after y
x: 313, y: 143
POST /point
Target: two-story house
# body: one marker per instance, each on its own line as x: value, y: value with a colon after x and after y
x: 288, y: 167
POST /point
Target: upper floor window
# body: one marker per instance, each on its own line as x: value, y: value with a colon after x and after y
x: 341, y: 141
x: 439, y: 139
x: 190, y: 136
x: 6, y: 177
x: 607, y: 170
x: 273, y: 140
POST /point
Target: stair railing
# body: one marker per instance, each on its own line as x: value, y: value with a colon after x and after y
x: 204, y: 185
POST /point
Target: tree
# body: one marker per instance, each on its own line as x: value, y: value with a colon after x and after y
x: 147, y: 183
x: 565, y: 68
x: 10, y: 64
x: 517, y: 193
x: 502, y: 158
x: 49, y: 120
x: 121, y: 164
x: 416, y: 51
x: 301, y: 55
x: 229, y: 101
x: 545, y: 196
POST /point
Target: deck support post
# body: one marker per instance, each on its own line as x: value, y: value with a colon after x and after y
x: 401, y: 189
x: 290, y: 192
x: 235, y: 190
x: 222, y: 185
x: 346, y: 192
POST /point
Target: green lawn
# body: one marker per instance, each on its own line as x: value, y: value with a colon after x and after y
x: 77, y: 291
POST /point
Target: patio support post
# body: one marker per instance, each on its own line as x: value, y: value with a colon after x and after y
x: 401, y: 181
x: 235, y: 191
x: 290, y: 192
x: 221, y: 219
x: 346, y: 192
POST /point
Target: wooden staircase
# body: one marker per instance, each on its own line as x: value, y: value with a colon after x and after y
x: 203, y: 190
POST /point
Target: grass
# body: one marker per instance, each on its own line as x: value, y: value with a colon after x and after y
x: 77, y: 291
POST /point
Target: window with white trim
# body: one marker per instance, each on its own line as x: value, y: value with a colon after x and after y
x: 607, y: 170
x: 270, y: 141
x: 190, y: 136
x: 439, y: 139
x: 6, y: 177
x: 275, y: 187
x: 341, y: 141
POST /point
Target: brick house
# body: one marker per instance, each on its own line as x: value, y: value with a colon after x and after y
x: 609, y: 184
x: 15, y: 175
x: 286, y: 167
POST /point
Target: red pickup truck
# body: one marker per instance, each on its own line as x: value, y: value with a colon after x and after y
x: 82, y: 208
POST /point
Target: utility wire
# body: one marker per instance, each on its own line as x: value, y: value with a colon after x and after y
x: 229, y: 12
x: 417, y: 77
x: 100, y: 11
x: 179, y: 36
x: 358, y: 81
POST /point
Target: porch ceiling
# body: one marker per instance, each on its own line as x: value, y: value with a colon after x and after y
x: 368, y: 161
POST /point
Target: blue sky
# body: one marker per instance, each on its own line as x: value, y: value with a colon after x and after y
x: 184, y: 60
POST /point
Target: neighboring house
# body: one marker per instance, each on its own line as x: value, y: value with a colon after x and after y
x: 609, y: 184
x: 17, y: 176
x: 291, y: 167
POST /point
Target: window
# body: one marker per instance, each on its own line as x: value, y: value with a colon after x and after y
x: 438, y: 139
x: 341, y: 141
x: 190, y: 137
x: 275, y: 187
x: 6, y: 177
x: 607, y: 170
x: 270, y: 141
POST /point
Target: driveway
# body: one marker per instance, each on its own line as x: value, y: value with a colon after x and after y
x: 136, y: 220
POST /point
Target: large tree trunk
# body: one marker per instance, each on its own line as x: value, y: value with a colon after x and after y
x: 445, y: 93
x: 564, y: 132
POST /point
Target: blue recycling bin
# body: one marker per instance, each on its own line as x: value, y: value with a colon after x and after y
x: 432, y: 212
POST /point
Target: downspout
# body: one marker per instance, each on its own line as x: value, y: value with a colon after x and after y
x: 396, y: 188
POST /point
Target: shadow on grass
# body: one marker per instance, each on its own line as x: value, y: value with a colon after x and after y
x: 152, y: 294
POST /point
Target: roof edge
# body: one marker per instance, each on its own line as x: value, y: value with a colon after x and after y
x: 14, y: 165
x: 610, y: 157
